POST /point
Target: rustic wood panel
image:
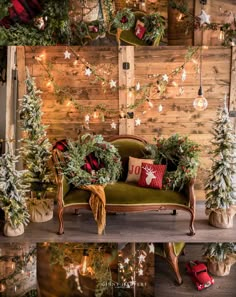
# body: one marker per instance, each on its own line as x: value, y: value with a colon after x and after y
x: 178, y: 115
x: 65, y: 120
x: 219, y: 12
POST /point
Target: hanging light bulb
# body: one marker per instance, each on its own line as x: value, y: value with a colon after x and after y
x: 221, y: 35
x: 84, y: 263
x: 200, y: 103
x: 95, y: 114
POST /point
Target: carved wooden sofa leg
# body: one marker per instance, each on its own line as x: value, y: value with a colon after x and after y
x: 191, y: 225
x: 173, y: 261
x: 61, y: 222
x: 174, y: 213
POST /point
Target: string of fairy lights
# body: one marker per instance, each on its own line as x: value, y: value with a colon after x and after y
x: 141, y: 95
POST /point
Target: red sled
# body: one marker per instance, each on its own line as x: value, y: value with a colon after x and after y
x: 198, y: 273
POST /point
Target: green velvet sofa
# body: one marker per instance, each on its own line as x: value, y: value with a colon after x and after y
x: 129, y: 37
x: 126, y: 197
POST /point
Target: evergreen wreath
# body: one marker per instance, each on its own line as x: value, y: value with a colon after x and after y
x: 180, y: 154
x: 124, y: 19
x: 91, y: 160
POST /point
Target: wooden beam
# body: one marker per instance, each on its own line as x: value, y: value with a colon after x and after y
x: 126, y: 78
x: 20, y: 56
x: 10, y: 104
x: 232, y: 98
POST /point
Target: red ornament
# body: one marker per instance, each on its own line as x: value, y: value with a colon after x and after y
x: 124, y: 20
x: 95, y: 29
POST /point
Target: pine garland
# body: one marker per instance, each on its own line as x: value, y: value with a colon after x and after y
x: 13, y: 189
x: 219, y: 190
x: 36, y: 151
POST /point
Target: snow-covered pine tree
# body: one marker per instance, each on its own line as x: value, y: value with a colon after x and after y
x: 13, y: 190
x: 36, y: 146
x: 219, y: 188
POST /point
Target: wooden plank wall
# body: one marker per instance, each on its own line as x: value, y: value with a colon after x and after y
x: 63, y: 119
x: 178, y: 115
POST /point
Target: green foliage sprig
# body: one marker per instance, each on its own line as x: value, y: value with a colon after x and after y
x: 218, y: 252
x: 4, y: 6
x: 155, y: 28
x: 181, y: 156
x: 105, y: 153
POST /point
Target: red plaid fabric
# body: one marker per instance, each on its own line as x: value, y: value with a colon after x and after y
x: 21, y: 11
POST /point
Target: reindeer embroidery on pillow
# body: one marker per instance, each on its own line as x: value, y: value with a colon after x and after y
x: 152, y: 175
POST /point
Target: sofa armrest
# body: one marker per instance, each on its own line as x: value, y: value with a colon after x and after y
x: 63, y: 186
x: 188, y: 190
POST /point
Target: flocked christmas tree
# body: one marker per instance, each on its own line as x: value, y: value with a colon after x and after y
x: 13, y: 190
x: 219, y: 188
x: 36, y: 146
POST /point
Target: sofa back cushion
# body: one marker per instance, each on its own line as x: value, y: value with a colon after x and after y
x: 128, y: 147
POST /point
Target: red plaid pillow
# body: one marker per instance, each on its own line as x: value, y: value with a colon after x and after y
x: 21, y: 11
x: 151, y: 175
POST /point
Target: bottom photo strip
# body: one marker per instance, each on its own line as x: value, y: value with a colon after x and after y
x: 120, y: 270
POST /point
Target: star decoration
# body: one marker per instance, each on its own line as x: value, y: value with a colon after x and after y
x: 140, y: 272
x: 86, y: 118
x: 141, y: 258
x: 181, y: 91
x: 112, y: 84
x: 121, y: 266
x: 113, y: 125
x: 151, y: 248
x: 165, y: 77
x: 184, y: 75
x: 67, y: 54
x: 132, y: 283
x: 138, y: 86
x: 137, y: 122
x: 126, y: 260
x: 204, y: 18
x: 88, y: 71
x: 160, y: 108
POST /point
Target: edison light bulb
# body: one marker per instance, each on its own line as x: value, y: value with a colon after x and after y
x: 84, y: 263
x: 200, y: 103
